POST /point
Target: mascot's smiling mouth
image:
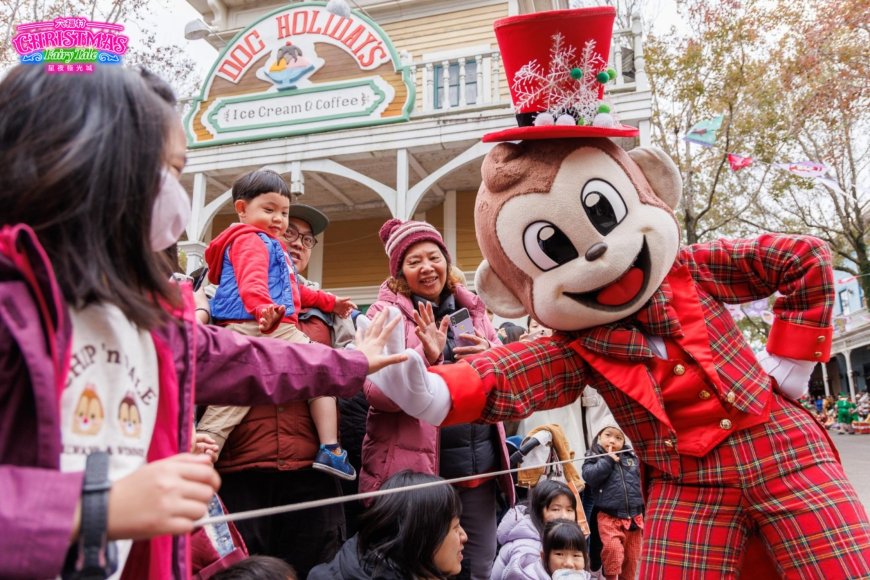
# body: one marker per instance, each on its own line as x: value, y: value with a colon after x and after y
x: 621, y: 292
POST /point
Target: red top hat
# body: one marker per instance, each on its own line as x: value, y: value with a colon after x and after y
x: 556, y: 65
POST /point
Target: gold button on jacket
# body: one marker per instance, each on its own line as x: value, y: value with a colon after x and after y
x: 679, y: 370
x: 705, y: 394
x: 725, y: 423
x: 731, y: 397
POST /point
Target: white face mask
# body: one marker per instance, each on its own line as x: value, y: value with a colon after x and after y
x: 170, y: 214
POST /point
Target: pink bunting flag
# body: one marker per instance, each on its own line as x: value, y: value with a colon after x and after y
x: 804, y: 168
x: 738, y: 162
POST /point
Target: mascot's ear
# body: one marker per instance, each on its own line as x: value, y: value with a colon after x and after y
x: 503, y: 167
x: 661, y: 172
x: 495, y: 294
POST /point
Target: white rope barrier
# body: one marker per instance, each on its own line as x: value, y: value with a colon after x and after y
x: 295, y: 507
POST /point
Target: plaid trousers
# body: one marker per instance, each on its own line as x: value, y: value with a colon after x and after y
x: 620, y: 547
x: 780, y: 480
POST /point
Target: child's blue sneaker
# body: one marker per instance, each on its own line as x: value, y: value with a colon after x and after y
x: 336, y: 465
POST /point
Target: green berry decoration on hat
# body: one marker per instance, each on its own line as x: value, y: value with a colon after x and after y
x: 603, y: 117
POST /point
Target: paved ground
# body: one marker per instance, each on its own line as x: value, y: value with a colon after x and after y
x: 855, y: 454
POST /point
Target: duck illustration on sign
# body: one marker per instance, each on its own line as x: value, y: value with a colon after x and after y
x: 290, y: 67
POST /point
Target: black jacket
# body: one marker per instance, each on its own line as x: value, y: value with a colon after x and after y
x: 615, y: 485
x: 348, y: 565
x: 468, y: 449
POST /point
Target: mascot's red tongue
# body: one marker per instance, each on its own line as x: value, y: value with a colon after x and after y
x: 623, y: 290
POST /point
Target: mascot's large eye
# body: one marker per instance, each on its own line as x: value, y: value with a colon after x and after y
x: 603, y: 204
x: 547, y: 246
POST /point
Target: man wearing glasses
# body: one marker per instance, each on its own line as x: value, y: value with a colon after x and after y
x: 305, y: 223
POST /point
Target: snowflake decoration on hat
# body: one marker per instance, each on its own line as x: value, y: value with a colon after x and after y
x: 568, y: 88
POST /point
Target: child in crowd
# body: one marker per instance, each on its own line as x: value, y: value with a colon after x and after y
x: 519, y: 532
x: 101, y: 360
x: 258, y: 568
x: 258, y: 294
x: 615, y: 483
x: 564, y: 551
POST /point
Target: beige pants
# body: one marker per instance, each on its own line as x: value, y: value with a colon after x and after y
x: 218, y: 421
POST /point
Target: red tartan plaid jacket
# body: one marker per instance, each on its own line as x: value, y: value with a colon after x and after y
x: 512, y: 381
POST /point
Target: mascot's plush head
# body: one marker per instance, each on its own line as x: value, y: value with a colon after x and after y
x: 574, y: 230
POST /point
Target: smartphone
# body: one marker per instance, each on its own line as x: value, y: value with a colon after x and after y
x: 200, y: 278
x: 460, y: 323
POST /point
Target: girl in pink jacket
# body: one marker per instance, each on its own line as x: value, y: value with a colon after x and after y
x: 101, y: 361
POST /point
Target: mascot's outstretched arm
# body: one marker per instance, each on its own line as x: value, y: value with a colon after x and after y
x: 458, y: 393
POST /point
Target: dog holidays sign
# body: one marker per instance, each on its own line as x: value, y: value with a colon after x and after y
x: 299, y: 70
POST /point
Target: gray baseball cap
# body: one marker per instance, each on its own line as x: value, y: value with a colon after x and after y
x: 314, y: 217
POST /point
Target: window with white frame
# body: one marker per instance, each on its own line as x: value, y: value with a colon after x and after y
x: 454, y: 83
x: 465, y: 73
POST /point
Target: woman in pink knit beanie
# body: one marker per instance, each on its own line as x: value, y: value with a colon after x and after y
x: 425, y: 287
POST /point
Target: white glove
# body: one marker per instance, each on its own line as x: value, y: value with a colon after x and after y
x: 418, y: 392
x: 792, y: 375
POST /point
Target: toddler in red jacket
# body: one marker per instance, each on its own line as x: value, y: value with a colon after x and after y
x: 258, y: 294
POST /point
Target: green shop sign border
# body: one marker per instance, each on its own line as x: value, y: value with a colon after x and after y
x: 404, y: 70
x: 380, y: 96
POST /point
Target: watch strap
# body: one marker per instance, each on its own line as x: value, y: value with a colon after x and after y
x: 97, y: 556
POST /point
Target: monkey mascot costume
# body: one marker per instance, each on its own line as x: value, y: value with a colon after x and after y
x: 582, y: 235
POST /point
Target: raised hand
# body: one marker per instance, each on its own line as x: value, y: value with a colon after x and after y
x: 343, y: 307
x: 432, y: 336
x: 373, y: 336
x: 418, y: 392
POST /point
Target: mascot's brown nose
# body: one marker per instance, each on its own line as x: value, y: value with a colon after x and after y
x: 596, y: 251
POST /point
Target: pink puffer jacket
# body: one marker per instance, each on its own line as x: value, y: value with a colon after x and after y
x: 395, y: 441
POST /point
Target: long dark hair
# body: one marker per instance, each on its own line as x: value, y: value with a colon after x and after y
x: 81, y: 159
x: 408, y: 527
x: 563, y: 535
x: 544, y: 492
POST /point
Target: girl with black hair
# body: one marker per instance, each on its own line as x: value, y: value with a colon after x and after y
x: 101, y: 361
x: 411, y: 534
x: 614, y: 481
x: 564, y: 551
x: 519, y: 532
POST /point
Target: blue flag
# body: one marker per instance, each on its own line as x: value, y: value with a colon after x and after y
x: 704, y: 132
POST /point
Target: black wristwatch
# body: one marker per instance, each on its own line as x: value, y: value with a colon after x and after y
x: 97, y: 557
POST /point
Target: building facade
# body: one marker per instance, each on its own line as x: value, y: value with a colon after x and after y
x: 368, y: 117
x: 849, y: 367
